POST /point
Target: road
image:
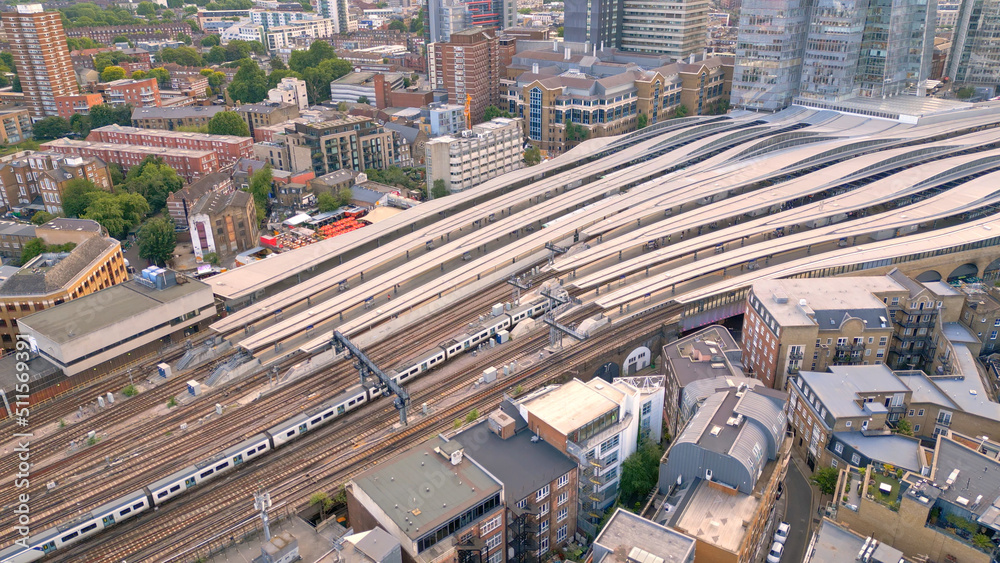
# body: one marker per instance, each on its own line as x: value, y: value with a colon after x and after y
x: 798, y: 513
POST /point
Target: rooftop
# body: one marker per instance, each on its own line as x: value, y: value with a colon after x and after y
x: 115, y: 128
x: 11, y: 228
x: 76, y: 225
x: 76, y: 318
x: 263, y: 107
x: 626, y: 531
x: 51, y: 272
x: 839, y: 388
x: 176, y: 112
x: 457, y: 488
x: 975, y: 477
x: 707, y: 354
x: 716, y: 517
x: 830, y: 300
x: 71, y: 144
x: 588, y: 404
x: 215, y: 202
x: 898, y: 450
x: 837, y: 544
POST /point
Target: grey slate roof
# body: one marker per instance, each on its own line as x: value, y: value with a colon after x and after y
x: 176, y: 112
x: 408, y: 133
x: 836, y: 544
x: 17, y: 229
x: 27, y: 282
x: 838, y: 389
x: 901, y: 451
x: 215, y: 202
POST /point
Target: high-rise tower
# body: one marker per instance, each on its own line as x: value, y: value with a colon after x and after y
x: 38, y: 44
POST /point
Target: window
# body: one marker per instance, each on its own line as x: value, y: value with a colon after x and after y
x: 909, y: 413
x: 562, y: 499
x: 522, y: 503
x: 562, y: 514
x: 647, y: 407
x: 496, y: 557
x: 543, y: 509
x: 839, y: 448
x: 490, y: 525
x: 856, y: 459
x: 848, y: 423
x: 543, y: 546
x: 542, y: 493
x: 493, y: 541
x: 920, y: 412
x: 563, y: 481
x: 561, y: 534
x: 543, y: 526
x: 833, y: 463
x: 916, y: 428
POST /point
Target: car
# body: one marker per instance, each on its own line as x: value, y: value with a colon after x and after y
x: 774, y: 556
x: 781, y: 532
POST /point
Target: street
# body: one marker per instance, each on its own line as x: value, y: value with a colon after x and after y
x: 798, y: 513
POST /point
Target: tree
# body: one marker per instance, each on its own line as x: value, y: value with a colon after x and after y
x: 681, y: 111
x: 74, y: 199
x: 718, y: 107
x: 344, y: 197
x: 210, y: 41
x: 212, y: 258
x: 15, y: 85
x: 278, y: 64
x: 327, y: 202
x: 51, y: 128
x: 185, y: 38
x: 115, y: 171
x: 249, y: 86
x: 641, y: 121
x: 157, y: 240
x: 161, y: 75
x: 524, y: 11
x: 115, y: 212
x: 576, y: 133
x: 228, y: 123
x: 342, y: 106
x: 137, y: 75
x: 122, y: 39
x: 111, y: 58
x: 406, y: 83
x: 185, y: 56
x: 559, y: 31
x: 146, y: 9
x: 174, y: 4
x: 78, y: 43
x: 532, y: 156
x: 904, y: 427
x: 363, y: 100
x: 276, y: 76
x: 41, y: 218
x: 104, y: 114
x: 32, y: 248
x: 826, y: 479
x: 439, y: 189
x: 493, y: 111
x: 640, y: 473
x: 112, y: 73
x: 397, y: 26
x: 260, y: 187
x: 965, y: 92
x: 323, y: 500
x: 154, y: 181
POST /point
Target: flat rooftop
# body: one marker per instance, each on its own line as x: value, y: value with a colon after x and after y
x: 625, y: 531
x: 839, y: 388
x: 703, y: 355
x: 205, y: 137
x: 837, y: 544
x: 117, y: 303
x: 900, y: 451
x: 716, y: 517
x: 554, y: 406
x: 829, y: 298
x: 79, y: 145
x: 443, y: 491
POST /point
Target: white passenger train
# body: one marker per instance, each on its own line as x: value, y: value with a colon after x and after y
x: 155, y: 494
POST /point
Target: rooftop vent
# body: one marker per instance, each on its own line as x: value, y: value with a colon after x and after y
x: 716, y: 430
x: 952, y: 477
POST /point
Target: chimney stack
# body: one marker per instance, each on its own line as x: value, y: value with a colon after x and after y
x: 691, y: 59
x: 566, y: 55
x: 534, y: 68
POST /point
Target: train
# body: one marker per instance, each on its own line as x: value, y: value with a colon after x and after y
x: 155, y: 494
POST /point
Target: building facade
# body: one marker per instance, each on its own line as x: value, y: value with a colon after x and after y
x: 38, y: 44
x: 46, y: 175
x: 674, y: 27
x: 136, y: 93
x: 290, y: 90
x: 152, y: 31
x: 173, y: 117
x: 487, y: 151
x: 267, y: 114
x: 15, y: 125
x: 223, y: 223
x: 73, y: 104
x: 353, y: 142
x: 974, y: 59
x: 190, y: 164
x: 228, y: 148
x: 469, y: 67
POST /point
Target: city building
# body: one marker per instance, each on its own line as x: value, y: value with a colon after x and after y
x: 769, y: 53
x: 410, y: 140
x: 291, y: 35
x: 179, y: 203
x: 469, y: 66
x: 290, y: 90
x: 15, y: 125
x: 173, y: 117
x: 373, y: 546
x: 487, y: 151
x: 41, y: 177
x: 595, y: 22
x: 721, y: 475
x: 834, y: 543
x: 352, y: 142
x: 266, y: 114
x: 190, y: 164
x: 630, y: 538
x: 72, y: 104
x: 362, y: 85
x: 981, y: 314
x: 600, y: 431
x: 673, y: 27
x: 462, y: 515
x: 974, y: 59
x: 336, y: 10
x: 110, y: 328
x: 694, y: 367
x: 442, y: 119
x: 50, y: 279
x: 223, y: 223
x: 445, y: 17
x: 106, y: 34
x: 41, y: 59
x: 136, y: 93
x: 228, y: 148
x: 13, y: 236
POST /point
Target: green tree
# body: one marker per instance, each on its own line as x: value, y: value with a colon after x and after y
x: 640, y: 473
x: 322, y: 500
x: 524, y: 11
x: 210, y: 41
x: 74, y: 199
x: 161, y: 75
x: 327, y: 202
x: 186, y: 56
x: 904, y: 427
x: 212, y: 258
x: 493, y: 111
x: 175, y: 4
x: 185, y: 38
x: 116, y: 173
x: 228, y: 123
x: 397, y: 25
x: 51, y: 128
x: 249, y: 86
x: 41, y: 218
x: 576, y: 133
x: 110, y: 58
x: 104, y: 114
x: 146, y: 9
x: 363, y: 100
x: 154, y: 181
x: 559, y: 31
x: 138, y: 74
x: 32, y: 248
x: 406, y: 82
x: 826, y: 479
x: 344, y: 197
x: 260, y: 187
x: 681, y: 111
x: 532, y: 156
x: 103, y: 208
x: 79, y: 43
x: 439, y: 190
x: 641, y: 121
x: 965, y: 92
x: 80, y: 124
x: 15, y: 85
x: 157, y: 240
x: 278, y: 64
x: 342, y: 106
x: 112, y: 73
x: 122, y: 39
x: 276, y: 76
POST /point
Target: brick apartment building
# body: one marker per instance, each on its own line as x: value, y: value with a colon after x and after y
x: 77, y: 103
x: 179, y: 203
x: 106, y: 34
x: 173, y: 117
x: 45, y: 175
x: 266, y: 114
x: 41, y: 59
x: 189, y: 164
x: 136, y: 93
x: 228, y: 148
x: 15, y: 125
x: 223, y: 223
x: 469, y: 64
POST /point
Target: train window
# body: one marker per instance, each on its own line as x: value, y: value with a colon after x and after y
x: 162, y: 494
x: 433, y: 360
x: 349, y: 403
x: 175, y: 488
x: 207, y: 473
x: 138, y: 505
x: 221, y: 466
x: 316, y: 420
x: 124, y: 511
x: 262, y: 447
x: 86, y: 529
x: 68, y: 537
x: 290, y: 433
x: 327, y: 415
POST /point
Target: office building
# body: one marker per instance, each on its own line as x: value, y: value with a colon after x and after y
x: 352, y: 142
x: 228, y: 148
x: 15, y: 125
x: 473, y: 157
x: 629, y: 538
x: 44, y: 176
x: 834, y: 543
x: 600, y: 431
x: 469, y: 67
x: 769, y: 52
x: 596, y: 22
x: 974, y: 59
x: 671, y: 27
x: 41, y: 59
x: 266, y: 114
x: 174, y: 117
x: 290, y: 90
x: 445, y: 17
x: 223, y: 223
x: 73, y: 104
x: 190, y: 164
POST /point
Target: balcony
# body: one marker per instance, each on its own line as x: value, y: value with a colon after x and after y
x: 793, y: 369
x: 847, y: 347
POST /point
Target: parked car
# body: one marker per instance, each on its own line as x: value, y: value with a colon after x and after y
x: 781, y: 533
x: 774, y: 556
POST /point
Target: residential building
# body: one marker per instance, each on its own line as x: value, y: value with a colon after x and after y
x: 445, y: 17
x: 223, y: 223
x: 599, y: 432
x: 981, y: 314
x: 41, y: 59
x: 266, y: 114
x: 53, y: 278
x: 174, y: 117
x: 974, y: 59
x: 141, y: 32
x: 108, y: 329
x: 487, y: 151
x: 336, y: 10
x: 671, y: 27
x: 352, y: 142
x: 290, y: 90
x: 13, y: 237
x: 695, y: 366
x: 947, y: 15
x: 628, y: 537
x: 721, y: 475
x: 303, y: 30
x: 179, y: 203
x: 469, y: 67
x: 921, y: 319
x: 136, y: 93
x: 228, y: 148
x: 192, y: 86
x: 411, y: 141
x: 190, y: 164
x: 463, y: 515
x: 73, y: 104
x: 333, y: 182
x: 43, y: 176
x: 442, y: 119
x: 946, y: 512
x: 833, y: 543
x: 15, y: 125
x: 284, y: 155
x: 273, y: 18
x: 373, y: 546
x: 357, y: 85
